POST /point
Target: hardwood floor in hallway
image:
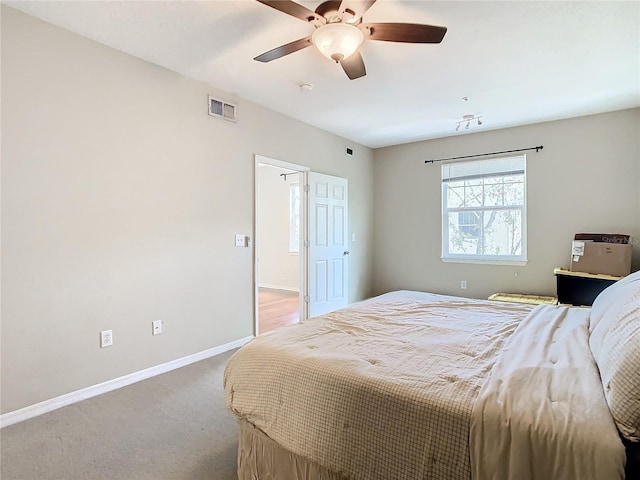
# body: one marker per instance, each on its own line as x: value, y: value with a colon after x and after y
x: 276, y: 308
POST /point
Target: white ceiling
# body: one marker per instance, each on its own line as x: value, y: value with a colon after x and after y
x: 518, y: 62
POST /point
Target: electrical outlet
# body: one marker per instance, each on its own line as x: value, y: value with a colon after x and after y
x: 463, y: 284
x: 156, y: 327
x: 106, y: 338
x: 241, y: 240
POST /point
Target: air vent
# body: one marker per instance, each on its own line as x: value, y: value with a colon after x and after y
x: 219, y: 108
x: 348, y: 151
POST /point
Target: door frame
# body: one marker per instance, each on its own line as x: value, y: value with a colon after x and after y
x: 303, y: 253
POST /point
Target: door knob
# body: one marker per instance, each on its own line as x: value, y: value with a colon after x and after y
x: 346, y: 252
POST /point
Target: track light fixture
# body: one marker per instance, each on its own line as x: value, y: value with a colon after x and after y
x: 467, y: 119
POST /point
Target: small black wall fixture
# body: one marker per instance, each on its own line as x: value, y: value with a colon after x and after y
x: 537, y: 149
x: 284, y: 175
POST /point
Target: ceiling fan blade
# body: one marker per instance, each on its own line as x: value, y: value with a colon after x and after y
x: 283, y: 50
x: 353, y: 66
x: 358, y: 7
x: 404, y: 32
x: 292, y: 8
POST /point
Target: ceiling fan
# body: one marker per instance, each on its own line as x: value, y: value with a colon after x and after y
x: 339, y: 32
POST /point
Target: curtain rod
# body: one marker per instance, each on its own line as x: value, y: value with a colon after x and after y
x: 289, y: 173
x: 538, y: 148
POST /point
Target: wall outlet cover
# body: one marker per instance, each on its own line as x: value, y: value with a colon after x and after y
x: 241, y: 240
x: 106, y: 338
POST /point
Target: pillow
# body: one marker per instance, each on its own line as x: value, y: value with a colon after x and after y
x: 615, y: 344
x: 610, y: 295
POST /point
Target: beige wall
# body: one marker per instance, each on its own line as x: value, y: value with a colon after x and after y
x: 277, y: 267
x: 587, y: 179
x: 120, y: 201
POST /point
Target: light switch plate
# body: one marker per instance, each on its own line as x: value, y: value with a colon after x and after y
x: 156, y: 327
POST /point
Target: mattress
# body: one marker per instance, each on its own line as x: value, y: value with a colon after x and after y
x: 383, y: 389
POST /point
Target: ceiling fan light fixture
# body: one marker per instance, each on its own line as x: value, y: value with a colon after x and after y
x: 337, y: 41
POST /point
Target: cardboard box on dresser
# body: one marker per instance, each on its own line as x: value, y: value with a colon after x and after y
x: 608, y: 254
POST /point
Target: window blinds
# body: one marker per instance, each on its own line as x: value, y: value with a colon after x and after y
x: 493, y: 167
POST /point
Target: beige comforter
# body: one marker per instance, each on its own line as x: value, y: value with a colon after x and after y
x: 542, y: 413
x: 381, y: 390
x: 411, y: 385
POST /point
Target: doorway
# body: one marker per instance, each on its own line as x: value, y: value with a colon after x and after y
x: 303, y: 234
x: 279, y: 226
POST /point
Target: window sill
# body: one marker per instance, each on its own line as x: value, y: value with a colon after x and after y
x: 482, y: 261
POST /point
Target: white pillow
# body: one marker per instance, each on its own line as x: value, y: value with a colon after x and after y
x: 615, y: 344
x: 610, y: 295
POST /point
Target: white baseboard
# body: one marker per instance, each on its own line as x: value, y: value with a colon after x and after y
x: 46, y: 406
x: 278, y: 287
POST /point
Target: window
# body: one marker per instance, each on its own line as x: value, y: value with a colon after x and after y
x: 484, y: 211
x: 294, y: 218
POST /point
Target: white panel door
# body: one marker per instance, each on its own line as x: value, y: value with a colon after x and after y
x: 327, y: 243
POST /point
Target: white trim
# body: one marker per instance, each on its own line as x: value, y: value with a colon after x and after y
x: 486, y: 261
x: 47, y: 406
x: 279, y: 163
x: 278, y: 287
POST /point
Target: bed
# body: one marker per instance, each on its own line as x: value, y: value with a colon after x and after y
x: 412, y: 385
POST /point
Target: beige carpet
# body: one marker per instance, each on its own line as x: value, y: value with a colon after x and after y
x: 171, y: 427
